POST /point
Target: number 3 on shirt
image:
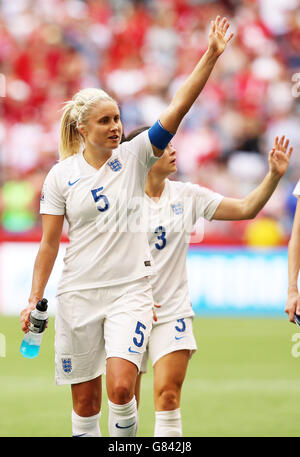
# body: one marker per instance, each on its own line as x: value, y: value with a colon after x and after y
x: 161, y: 236
x: 105, y: 203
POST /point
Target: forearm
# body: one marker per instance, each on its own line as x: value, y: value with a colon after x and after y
x: 293, y: 264
x: 192, y: 87
x: 256, y: 200
x: 188, y: 92
x: 42, y: 269
x: 294, y: 257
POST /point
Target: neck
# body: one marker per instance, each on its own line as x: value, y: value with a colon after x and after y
x: 155, y: 185
x: 96, y: 157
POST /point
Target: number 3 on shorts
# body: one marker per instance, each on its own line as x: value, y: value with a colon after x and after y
x: 180, y: 329
x: 138, y: 331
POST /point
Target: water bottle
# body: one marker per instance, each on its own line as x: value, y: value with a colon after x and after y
x: 38, y: 319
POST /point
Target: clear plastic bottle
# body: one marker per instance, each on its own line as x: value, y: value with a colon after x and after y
x: 38, y: 319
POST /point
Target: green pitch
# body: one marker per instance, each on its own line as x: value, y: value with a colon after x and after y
x: 243, y: 381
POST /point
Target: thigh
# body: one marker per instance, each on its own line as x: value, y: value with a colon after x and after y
x: 121, y: 376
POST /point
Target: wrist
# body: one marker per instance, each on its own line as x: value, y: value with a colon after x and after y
x: 33, y: 299
x: 212, y: 55
x: 293, y: 289
x: 274, y: 176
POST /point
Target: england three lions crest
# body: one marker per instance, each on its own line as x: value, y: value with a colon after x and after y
x: 177, y: 208
x: 67, y: 365
x: 115, y: 165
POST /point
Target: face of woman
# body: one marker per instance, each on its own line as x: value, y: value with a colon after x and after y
x: 104, y: 127
x: 166, y: 165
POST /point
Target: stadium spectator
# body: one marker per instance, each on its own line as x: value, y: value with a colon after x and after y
x: 49, y: 50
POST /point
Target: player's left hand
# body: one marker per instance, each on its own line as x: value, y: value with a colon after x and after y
x: 279, y: 156
x: 292, y: 306
x: 217, y: 39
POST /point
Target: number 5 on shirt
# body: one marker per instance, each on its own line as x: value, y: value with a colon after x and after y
x: 105, y: 203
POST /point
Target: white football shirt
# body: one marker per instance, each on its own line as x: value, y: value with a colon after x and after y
x: 297, y: 190
x: 107, y: 244
x: 170, y: 223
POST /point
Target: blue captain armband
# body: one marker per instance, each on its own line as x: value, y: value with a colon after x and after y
x: 159, y: 137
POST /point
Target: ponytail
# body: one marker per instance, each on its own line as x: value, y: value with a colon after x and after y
x: 75, y: 112
x: 70, y: 137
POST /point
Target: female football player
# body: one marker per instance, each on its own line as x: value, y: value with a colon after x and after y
x: 104, y: 312
x: 172, y: 209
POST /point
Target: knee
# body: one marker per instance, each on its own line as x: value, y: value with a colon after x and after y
x: 121, y: 394
x: 168, y: 399
x: 86, y: 406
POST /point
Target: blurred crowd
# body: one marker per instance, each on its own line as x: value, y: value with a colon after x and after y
x: 140, y: 52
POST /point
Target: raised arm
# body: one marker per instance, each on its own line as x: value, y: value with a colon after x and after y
x: 293, y: 301
x: 248, y: 207
x: 193, y: 85
x: 52, y: 229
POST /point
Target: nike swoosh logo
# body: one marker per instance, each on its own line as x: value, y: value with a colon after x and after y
x: 133, y: 352
x: 74, y: 182
x: 77, y: 436
x: 178, y: 337
x: 128, y: 426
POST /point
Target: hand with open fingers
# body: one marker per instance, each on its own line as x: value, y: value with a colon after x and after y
x: 292, y: 306
x: 156, y: 305
x: 217, y: 40
x: 279, y: 156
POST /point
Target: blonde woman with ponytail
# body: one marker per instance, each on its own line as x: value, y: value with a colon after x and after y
x: 104, y: 297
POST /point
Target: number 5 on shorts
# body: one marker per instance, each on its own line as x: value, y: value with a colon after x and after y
x: 138, y: 331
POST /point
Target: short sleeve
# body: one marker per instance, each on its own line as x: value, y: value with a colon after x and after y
x: 52, y: 200
x: 141, y: 148
x: 205, y: 201
x: 297, y: 190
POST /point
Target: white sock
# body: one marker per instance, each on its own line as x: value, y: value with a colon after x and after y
x: 85, y: 426
x: 168, y: 423
x: 123, y: 419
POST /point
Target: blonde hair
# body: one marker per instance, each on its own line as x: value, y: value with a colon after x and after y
x: 75, y: 112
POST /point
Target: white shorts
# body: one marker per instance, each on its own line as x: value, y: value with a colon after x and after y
x: 169, y: 337
x: 94, y: 324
